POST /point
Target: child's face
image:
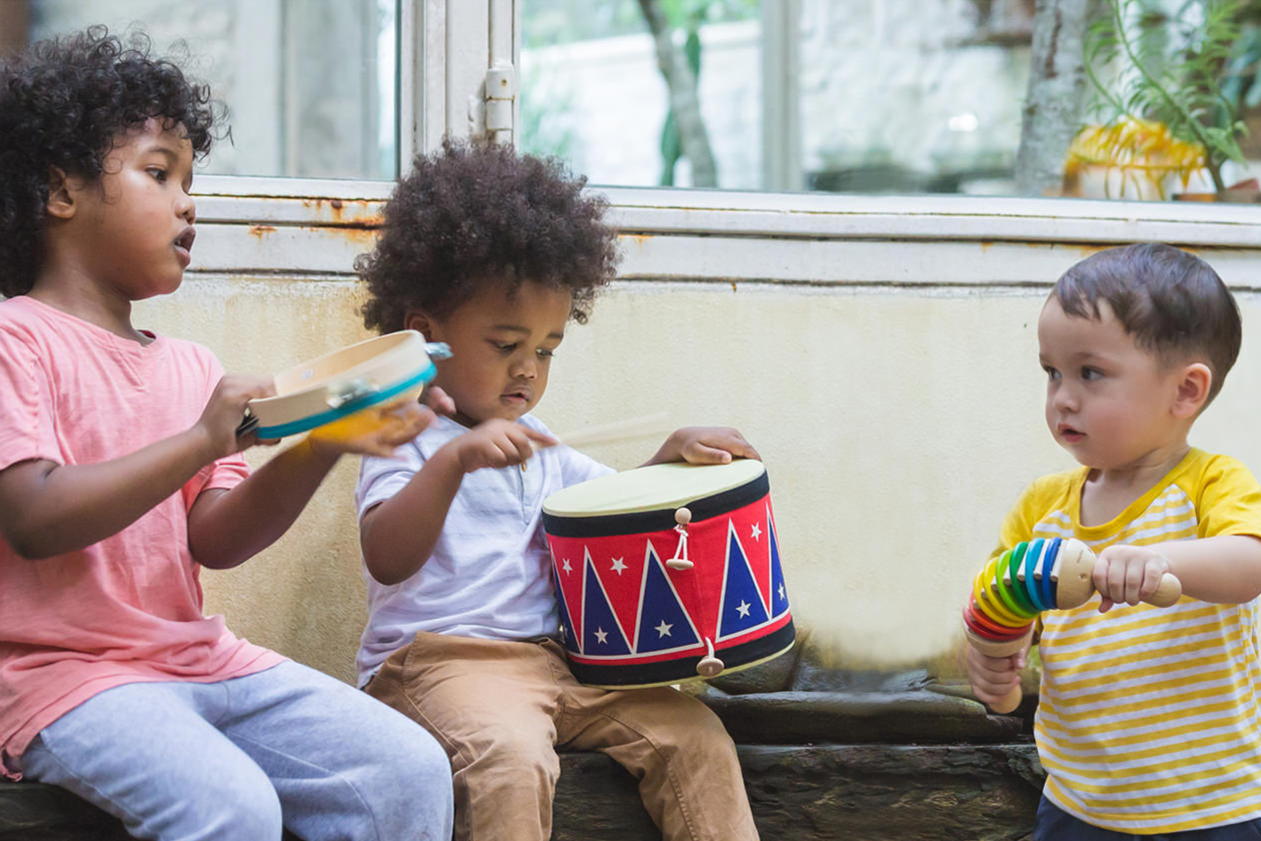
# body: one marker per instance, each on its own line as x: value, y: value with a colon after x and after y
x: 501, y: 349
x: 137, y: 223
x: 1108, y: 401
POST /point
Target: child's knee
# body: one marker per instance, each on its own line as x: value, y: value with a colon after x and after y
x: 236, y: 808
x: 510, y: 752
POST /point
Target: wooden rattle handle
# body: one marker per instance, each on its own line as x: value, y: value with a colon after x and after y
x: 1167, y: 592
x: 1075, y: 584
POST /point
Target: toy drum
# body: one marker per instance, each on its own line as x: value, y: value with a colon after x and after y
x: 668, y: 573
x: 333, y: 387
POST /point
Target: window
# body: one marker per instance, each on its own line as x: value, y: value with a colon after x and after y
x: 310, y: 84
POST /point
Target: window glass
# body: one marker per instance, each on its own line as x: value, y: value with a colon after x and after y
x: 889, y: 96
x: 310, y: 84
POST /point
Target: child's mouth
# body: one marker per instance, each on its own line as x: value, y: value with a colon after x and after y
x: 184, y: 245
x: 1071, y: 435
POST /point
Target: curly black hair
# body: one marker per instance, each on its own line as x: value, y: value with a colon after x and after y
x: 476, y: 214
x: 63, y: 104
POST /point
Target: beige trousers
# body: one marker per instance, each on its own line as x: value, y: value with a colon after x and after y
x: 501, y: 708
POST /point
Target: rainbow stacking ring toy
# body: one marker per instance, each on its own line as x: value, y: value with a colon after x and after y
x: 334, y: 387
x: 1013, y: 588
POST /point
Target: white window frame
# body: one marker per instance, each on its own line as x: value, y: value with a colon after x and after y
x: 309, y: 228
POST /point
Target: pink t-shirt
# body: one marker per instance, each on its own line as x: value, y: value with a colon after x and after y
x: 129, y: 608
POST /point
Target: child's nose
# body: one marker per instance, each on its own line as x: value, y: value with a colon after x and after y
x: 1064, y: 398
x: 187, y: 208
x: 526, y: 367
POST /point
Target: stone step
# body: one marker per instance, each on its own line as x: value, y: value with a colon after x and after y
x: 862, y: 792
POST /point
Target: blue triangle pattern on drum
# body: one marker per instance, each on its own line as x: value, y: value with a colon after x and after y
x: 663, y: 623
x: 779, y: 596
x: 566, y: 624
x: 742, y: 606
x: 601, y: 633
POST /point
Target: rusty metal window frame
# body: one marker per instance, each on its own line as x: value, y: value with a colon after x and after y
x: 316, y: 228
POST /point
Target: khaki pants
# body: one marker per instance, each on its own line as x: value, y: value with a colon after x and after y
x: 501, y: 708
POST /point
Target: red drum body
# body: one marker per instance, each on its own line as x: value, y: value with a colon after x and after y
x: 668, y: 573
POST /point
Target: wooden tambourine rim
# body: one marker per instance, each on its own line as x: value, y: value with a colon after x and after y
x: 313, y: 421
x: 301, y: 408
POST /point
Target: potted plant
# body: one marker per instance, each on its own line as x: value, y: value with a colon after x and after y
x: 1168, y: 113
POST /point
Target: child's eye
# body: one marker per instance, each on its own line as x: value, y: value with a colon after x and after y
x: 545, y: 353
x: 504, y: 347
x: 1051, y: 373
x: 1088, y: 373
x: 158, y: 174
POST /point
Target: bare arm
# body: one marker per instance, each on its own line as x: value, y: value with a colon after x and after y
x: 398, y: 535
x: 227, y: 527
x: 48, y: 509
x: 1225, y: 569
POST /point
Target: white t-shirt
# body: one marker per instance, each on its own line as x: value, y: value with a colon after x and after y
x: 490, y: 572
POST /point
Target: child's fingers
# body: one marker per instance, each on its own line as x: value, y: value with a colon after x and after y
x: 696, y: 452
x: 439, y: 400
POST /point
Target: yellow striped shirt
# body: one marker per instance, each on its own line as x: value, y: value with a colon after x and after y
x: 1148, y: 720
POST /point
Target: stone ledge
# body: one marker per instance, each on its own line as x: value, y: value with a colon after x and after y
x: 867, y: 792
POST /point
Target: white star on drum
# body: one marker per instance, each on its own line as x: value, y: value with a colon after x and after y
x: 566, y: 567
x: 601, y: 635
x: 663, y: 630
x: 743, y: 609
x: 618, y: 566
x: 757, y: 531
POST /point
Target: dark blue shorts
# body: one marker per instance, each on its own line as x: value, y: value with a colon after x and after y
x: 1054, y: 824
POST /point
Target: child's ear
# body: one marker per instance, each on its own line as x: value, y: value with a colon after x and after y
x: 420, y: 322
x: 60, y: 194
x: 1193, y: 389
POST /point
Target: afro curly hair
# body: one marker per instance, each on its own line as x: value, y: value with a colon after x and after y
x: 63, y: 104
x: 477, y: 214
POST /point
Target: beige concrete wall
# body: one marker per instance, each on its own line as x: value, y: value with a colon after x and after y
x: 897, y: 425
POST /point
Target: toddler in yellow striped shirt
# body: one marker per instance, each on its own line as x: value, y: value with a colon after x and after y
x: 1149, y: 722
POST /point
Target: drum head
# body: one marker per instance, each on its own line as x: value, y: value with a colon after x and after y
x: 655, y: 487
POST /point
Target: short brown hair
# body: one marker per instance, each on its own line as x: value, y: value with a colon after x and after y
x: 1171, y: 302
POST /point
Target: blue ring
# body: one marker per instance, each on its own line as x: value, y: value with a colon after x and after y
x: 1047, y: 588
x: 1031, y: 583
x: 280, y: 430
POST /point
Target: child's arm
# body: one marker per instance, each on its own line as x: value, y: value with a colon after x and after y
x: 227, y: 527
x: 1225, y: 569
x: 398, y: 535
x: 703, y: 445
x: 49, y: 509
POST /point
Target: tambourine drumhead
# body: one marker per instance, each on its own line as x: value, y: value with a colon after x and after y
x: 653, y: 487
x: 333, y: 386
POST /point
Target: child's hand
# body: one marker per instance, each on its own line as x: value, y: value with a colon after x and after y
x: 1126, y: 574
x: 375, y: 431
x: 225, y: 410
x: 992, y: 678
x: 704, y: 445
x: 497, y: 443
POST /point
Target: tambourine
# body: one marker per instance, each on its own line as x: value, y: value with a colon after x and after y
x: 337, y: 385
x: 1014, y: 587
x: 668, y: 573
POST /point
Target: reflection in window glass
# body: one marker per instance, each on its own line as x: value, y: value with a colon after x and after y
x: 309, y: 84
x: 889, y: 95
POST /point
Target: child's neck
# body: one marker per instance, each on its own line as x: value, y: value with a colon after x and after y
x: 1107, y: 492
x: 84, y: 299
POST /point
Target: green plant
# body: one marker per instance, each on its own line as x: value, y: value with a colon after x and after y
x: 1170, y: 71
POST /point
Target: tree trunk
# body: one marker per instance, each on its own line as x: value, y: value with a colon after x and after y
x: 684, y: 102
x: 1053, y: 103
